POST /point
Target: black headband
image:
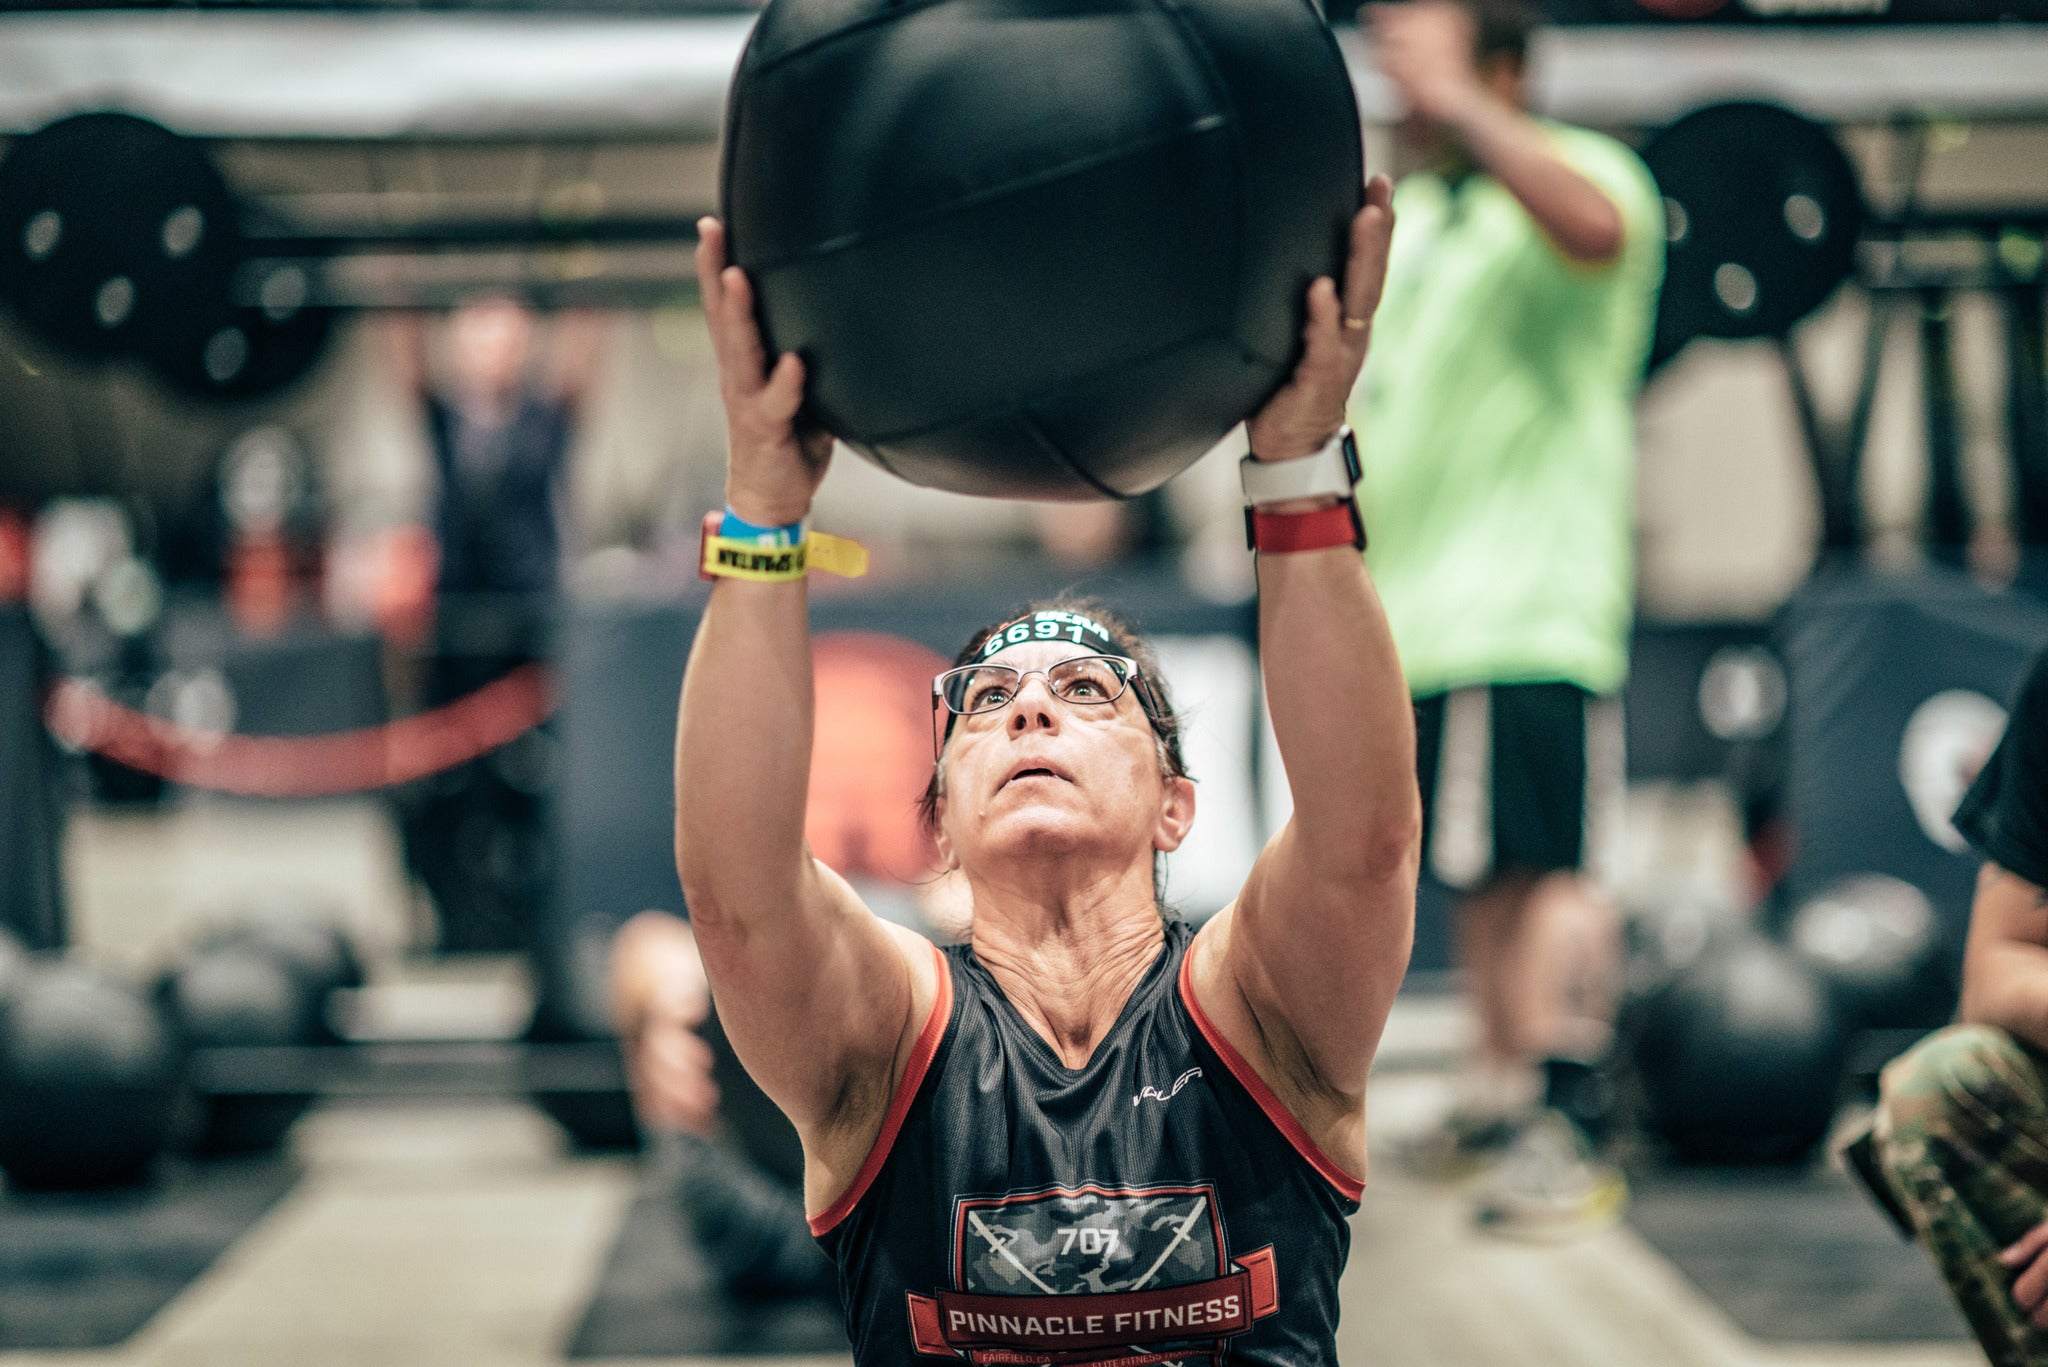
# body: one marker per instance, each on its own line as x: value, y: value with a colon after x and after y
x: 1053, y: 624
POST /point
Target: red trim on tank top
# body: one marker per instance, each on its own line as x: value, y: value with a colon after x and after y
x: 921, y: 1055
x: 1351, y: 1188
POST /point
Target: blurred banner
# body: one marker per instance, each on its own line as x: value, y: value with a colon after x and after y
x: 1899, y: 684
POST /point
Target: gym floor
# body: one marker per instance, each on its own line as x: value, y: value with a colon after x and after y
x: 464, y: 1234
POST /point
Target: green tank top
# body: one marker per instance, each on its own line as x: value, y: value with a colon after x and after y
x: 1497, y: 428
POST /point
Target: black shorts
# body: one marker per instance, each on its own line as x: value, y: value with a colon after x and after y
x: 1522, y: 778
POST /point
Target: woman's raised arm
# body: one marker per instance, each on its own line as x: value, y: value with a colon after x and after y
x: 1317, y: 943
x: 820, y: 998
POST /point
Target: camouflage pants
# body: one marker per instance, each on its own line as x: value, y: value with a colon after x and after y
x: 1962, y: 1135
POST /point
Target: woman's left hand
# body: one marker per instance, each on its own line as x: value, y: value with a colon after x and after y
x: 1308, y: 410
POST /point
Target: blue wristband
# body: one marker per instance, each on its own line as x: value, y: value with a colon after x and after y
x: 733, y: 527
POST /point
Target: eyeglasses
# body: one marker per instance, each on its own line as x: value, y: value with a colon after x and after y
x: 1087, y: 680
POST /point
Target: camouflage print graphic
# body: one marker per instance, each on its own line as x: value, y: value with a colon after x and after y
x: 1962, y: 1134
x: 1066, y: 1244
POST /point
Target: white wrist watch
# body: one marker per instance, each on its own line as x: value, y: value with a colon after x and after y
x: 1331, y: 471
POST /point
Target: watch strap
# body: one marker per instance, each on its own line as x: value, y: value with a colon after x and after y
x: 1283, y: 533
x: 1331, y: 472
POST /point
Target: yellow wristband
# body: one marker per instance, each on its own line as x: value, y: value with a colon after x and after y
x: 838, y: 555
x: 723, y: 558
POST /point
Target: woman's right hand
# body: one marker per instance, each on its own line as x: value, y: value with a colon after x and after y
x: 773, y: 465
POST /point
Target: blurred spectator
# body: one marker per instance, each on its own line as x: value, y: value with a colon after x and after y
x: 501, y: 413
x: 272, y: 519
x: 1961, y: 1131
x: 501, y: 418
x: 745, y: 1213
x: 1496, y: 415
x: 748, y: 1223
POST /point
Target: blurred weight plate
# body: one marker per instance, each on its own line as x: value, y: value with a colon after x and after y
x: 112, y: 229
x: 227, y: 352
x: 1762, y: 213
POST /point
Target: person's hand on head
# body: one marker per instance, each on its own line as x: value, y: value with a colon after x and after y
x: 1425, y: 47
x: 1309, y: 408
x: 773, y: 465
x: 2028, y: 1261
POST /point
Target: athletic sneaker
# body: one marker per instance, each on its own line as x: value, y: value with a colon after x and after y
x: 1550, y: 1185
x: 1459, y: 1145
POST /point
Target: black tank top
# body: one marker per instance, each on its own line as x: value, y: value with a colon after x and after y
x: 1155, y: 1206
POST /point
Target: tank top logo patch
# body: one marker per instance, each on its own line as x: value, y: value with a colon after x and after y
x: 1108, y: 1276
x: 1151, y: 1093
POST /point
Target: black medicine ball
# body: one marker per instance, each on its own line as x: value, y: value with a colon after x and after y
x: 1046, y: 249
x: 239, y: 994
x: 88, y: 1076
x: 305, y: 941
x: 230, y: 995
x: 1740, y: 1055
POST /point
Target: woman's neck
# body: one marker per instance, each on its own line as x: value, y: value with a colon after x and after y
x: 1068, y: 966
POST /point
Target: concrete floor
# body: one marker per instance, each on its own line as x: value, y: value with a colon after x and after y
x: 464, y: 1236
x: 429, y: 1237
x: 1425, y: 1289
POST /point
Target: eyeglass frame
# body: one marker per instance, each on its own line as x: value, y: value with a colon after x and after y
x: 1134, y: 682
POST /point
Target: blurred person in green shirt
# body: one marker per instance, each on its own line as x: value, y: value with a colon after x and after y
x: 1496, y: 417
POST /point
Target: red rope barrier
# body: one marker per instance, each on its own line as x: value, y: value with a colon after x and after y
x: 304, y: 766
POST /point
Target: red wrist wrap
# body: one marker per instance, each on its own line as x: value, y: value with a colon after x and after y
x: 1280, y: 533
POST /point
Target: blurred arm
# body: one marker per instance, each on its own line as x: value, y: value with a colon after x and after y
x: 405, y: 346
x: 2005, y: 964
x: 1572, y: 211
x: 1426, y: 49
x: 578, y: 349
